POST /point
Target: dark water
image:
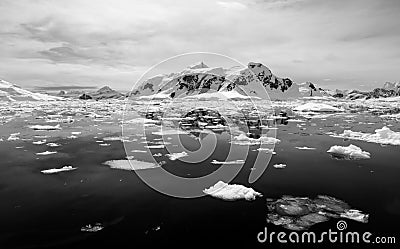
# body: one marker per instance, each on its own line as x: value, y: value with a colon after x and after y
x: 47, y: 211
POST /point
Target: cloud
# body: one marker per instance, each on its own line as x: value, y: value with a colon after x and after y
x: 59, y: 42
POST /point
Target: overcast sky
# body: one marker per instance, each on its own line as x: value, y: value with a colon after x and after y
x: 336, y: 44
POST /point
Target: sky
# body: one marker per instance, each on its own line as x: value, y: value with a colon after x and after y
x: 345, y: 44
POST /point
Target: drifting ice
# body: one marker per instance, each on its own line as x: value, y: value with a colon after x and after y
x: 54, y: 171
x: 174, y: 156
x: 381, y: 136
x: 45, y: 127
x: 130, y: 164
x: 350, y: 152
x: 231, y: 192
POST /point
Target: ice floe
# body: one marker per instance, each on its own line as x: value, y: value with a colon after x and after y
x: 228, y: 162
x: 177, y: 155
x: 381, y: 136
x: 279, y: 166
x: 45, y: 153
x: 317, y: 107
x: 231, y: 192
x: 13, y: 137
x: 45, y: 127
x: 58, y: 170
x: 158, y: 146
x: 305, y: 148
x: 39, y: 142
x: 349, y: 152
x: 130, y: 164
x: 300, y: 213
x: 242, y: 139
x: 53, y: 144
x: 92, y: 228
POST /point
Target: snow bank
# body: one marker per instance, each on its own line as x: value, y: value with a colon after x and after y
x: 54, y: 171
x: 316, y: 107
x: 382, y: 136
x: 351, y: 152
x: 231, y: 192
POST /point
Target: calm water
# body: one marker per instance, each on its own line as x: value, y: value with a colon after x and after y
x: 48, y: 210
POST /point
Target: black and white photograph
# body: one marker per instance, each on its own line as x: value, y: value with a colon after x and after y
x: 199, y: 124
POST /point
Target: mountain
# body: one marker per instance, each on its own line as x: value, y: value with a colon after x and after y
x: 256, y: 80
x: 11, y: 92
x: 103, y: 93
x: 387, y: 90
x: 106, y: 93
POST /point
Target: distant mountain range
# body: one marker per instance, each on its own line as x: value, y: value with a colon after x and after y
x: 202, y: 82
x: 11, y: 92
x: 199, y: 80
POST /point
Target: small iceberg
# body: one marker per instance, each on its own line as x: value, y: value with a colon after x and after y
x: 39, y: 142
x: 54, y: 171
x: 231, y: 192
x: 349, y: 152
x: 279, y: 166
x: 174, y: 156
x: 92, y: 228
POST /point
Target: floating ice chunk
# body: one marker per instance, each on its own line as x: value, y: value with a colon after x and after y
x: 76, y: 132
x: 242, y: 139
x: 13, y: 137
x: 45, y: 127
x: 45, y: 153
x: 168, y: 132
x: 382, y: 136
x: 54, y: 171
x: 39, y: 142
x: 105, y: 144
x: 356, y: 215
x: 138, y: 151
x: 174, y: 156
x: 157, y: 154
x: 350, y: 152
x: 267, y: 150
x: 305, y: 148
x: 231, y: 192
x: 159, y: 146
x: 317, y: 107
x: 53, y: 144
x: 228, y: 162
x: 279, y: 166
x: 131, y: 164
x: 92, y: 229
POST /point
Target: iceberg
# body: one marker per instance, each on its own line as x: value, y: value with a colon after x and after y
x: 39, y: 142
x: 354, y: 214
x: 92, y: 229
x: 381, y: 136
x: 231, y: 192
x: 54, y: 171
x: 349, y: 152
x: 174, y: 156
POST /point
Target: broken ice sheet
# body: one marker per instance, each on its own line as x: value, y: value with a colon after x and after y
x: 348, y: 152
x: 54, y: 171
x: 300, y: 213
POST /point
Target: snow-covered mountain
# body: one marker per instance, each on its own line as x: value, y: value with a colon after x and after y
x: 11, y: 92
x: 103, y: 93
x: 256, y: 80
